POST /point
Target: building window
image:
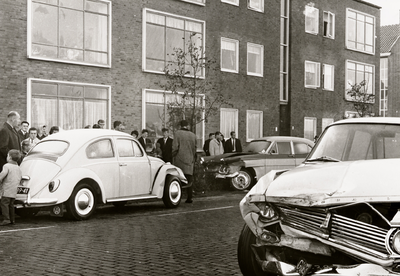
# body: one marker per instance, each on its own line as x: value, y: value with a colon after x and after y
x: 155, y: 115
x: 328, y: 75
x: 312, y: 74
x: 326, y: 122
x: 329, y: 24
x: 233, y: 2
x: 284, y: 55
x: 164, y: 32
x: 360, y: 31
x: 70, y: 31
x: 68, y: 105
x: 383, y: 99
x: 201, y: 2
x: 310, y: 128
x: 229, y: 121
x: 254, y: 129
x: 229, y: 55
x: 358, y: 72
x: 255, y: 59
x: 311, y: 17
x: 257, y: 5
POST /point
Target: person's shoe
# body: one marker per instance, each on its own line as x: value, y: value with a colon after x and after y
x: 189, y: 201
x: 5, y: 222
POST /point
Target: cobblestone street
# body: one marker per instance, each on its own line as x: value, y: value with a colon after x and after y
x: 142, y: 239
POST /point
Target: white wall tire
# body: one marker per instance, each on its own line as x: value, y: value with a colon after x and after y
x: 243, y: 181
x: 82, y: 202
x: 172, y: 195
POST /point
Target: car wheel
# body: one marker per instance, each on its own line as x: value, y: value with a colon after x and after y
x: 247, y: 261
x: 27, y: 212
x: 172, y: 192
x: 243, y: 181
x: 82, y: 202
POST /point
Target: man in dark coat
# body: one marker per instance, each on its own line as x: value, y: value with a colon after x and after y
x: 206, y: 146
x: 9, y: 138
x: 184, y: 154
x: 166, y: 146
x: 144, y: 141
x: 23, y: 132
x: 232, y: 144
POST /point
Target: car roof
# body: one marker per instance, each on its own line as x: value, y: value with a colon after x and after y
x: 83, y: 135
x: 373, y: 120
x: 282, y: 138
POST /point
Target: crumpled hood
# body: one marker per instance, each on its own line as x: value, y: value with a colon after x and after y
x: 324, y: 184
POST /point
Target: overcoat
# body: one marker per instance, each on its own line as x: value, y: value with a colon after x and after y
x: 184, y: 150
x: 9, y: 139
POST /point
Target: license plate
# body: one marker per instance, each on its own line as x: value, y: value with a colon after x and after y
x: 22, y: 190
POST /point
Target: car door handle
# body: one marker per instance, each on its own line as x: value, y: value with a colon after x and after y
x: 123, y: 164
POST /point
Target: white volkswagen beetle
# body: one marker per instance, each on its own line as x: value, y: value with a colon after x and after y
x: 78, y: 169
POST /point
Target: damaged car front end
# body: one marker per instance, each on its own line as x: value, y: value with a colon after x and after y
x: 337, y: 214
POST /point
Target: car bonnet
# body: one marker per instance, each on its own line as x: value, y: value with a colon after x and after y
x: 327, y: 184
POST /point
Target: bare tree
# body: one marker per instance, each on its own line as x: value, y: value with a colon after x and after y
x: 361, y: 99
x: 194, y: 95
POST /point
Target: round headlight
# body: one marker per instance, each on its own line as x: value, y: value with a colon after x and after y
x: 53, y: 185
x: 224, y: 169
x: 267, y: 212
x: 396, y: 242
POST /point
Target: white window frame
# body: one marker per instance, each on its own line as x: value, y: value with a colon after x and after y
x: 347, y: 85
x: 261, y: 60
x: 307, y: 11
x: 332, y: 77
x: 232, y: 2
x: 248, y: 113
x: 314, y: 120
x: 326, y: 122
x: 254, y: 8
x: 109, y: 44
x: 202, y: 3
x: 284, y: 57
x: 355, y: 33
x: 318, y: 77
x: 384, y: 87
x: 236, y: 42
x: 145, y: 10
x: 145, y: 90
x: 222, y: 122
x: 329, y: 15
x: 29, y: 95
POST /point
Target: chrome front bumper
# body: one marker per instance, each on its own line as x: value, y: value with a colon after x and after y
x: 232, y: 175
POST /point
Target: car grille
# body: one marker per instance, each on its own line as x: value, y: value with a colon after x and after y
x: 341, y: 228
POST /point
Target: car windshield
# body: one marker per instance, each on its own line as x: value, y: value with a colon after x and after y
x: 56, y: 148
x: 350, y: 142
x: 258, y: 146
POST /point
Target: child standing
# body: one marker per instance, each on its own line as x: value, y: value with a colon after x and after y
x: 10, y: 178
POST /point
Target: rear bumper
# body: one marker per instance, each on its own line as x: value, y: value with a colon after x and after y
x: 34, y: 202
x: 232, y: 175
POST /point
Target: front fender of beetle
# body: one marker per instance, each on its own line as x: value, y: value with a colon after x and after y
x: 69, y: 179
x: 164, y: 171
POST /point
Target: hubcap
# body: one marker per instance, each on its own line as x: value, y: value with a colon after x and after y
x: 242, y: 181
x: 175, y: 192
x: 84, y: 201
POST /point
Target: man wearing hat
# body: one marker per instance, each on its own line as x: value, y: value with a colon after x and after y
x: 184, y: 154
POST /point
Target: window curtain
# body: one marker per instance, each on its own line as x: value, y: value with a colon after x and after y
x: 94, y: 111
x: 44, y: 112
x: 228, y: 122
x: 310, y: 128
x: 71, y: 114
x: 254, y: 125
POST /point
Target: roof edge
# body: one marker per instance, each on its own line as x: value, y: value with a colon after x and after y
x: 369, y: 4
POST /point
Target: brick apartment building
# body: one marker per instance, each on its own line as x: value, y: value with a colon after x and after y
x: 284, y: 65
x: 389, y: 96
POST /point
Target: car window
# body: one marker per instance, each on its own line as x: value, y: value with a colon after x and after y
x: 361, y: 148
x: 301, y: 148
x: 136, y: 150
x: 56, y: 148
x: 283, y: 147
x: 100, y: 149
x: 258, y: 146
x: 388, y: 147
x: 125, y: 148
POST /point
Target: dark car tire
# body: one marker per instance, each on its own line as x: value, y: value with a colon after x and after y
x: 246, y: 259
x: 82, y: 202
x: 243, y: 181
x: 27, y: 212
x: 172, y: 192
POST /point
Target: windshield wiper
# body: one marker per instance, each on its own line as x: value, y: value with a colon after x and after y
x: 324, y: 158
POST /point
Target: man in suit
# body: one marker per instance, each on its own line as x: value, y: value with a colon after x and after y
x: 23, y: 132
x: 233, y: 144
x: 166, y: 146
x: 9, y: 138
x: 144, y: 141
x: 184, y: 154
x: 206, y: 146
x: 32, y: 140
